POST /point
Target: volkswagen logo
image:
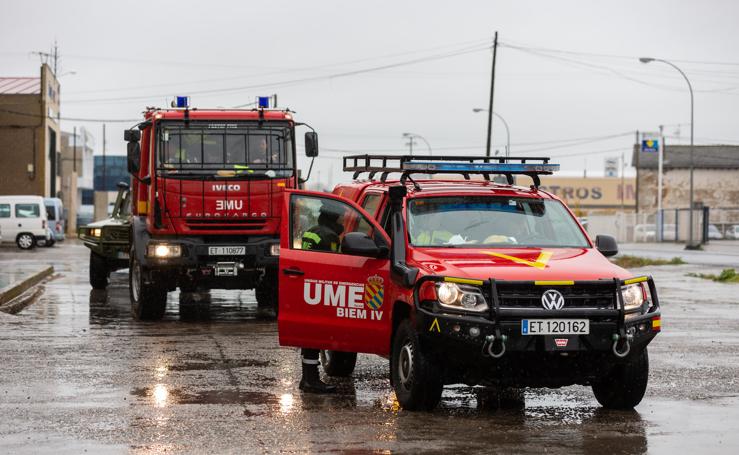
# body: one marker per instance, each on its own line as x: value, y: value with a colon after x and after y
x: 552, y: 300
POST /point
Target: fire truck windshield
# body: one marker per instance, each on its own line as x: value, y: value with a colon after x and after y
x: 224, y: 150
x: 491, y: 221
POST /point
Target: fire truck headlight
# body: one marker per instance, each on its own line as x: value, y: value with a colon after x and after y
x: 461, y: 297
x: 163, y: 250
x: 274, y: 249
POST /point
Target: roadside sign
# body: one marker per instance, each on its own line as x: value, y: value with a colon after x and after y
x: 650, y: 145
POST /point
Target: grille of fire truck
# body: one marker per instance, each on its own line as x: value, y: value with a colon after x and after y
x: 464, y: 165
x: 221, y: 224
x: 580, y: 296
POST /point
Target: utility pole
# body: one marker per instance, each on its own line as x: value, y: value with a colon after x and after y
x: 103, y: 184
x: 56, y: 58
x: 660, y: 161
x: 492, y: 92
x: 410, y: 144
x: 74, y: 149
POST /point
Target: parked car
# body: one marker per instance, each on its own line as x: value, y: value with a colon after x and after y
x: 23, y: 220
x: 645, y: 233
x: 732, y: 232
x: 85, y: 214
x: 55, y: 217
x: 714, y: 233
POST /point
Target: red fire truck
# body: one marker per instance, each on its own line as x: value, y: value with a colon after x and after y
x: 207, y: 200
x: 463, y: 281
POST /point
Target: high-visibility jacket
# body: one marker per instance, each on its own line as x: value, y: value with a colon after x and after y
x: 320, y: 238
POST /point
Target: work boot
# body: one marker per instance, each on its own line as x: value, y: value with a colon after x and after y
x: 311, y: 381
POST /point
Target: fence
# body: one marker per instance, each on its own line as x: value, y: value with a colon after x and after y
x: 628, y: 227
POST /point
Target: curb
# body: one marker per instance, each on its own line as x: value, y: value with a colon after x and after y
x: 12, y: 291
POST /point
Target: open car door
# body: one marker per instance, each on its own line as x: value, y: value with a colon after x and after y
x: 332, y: 298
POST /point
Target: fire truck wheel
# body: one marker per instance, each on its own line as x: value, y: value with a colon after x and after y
x: 99, y: 271
x: 148, y: 301
x: 624, y: 386
x: 266, y: 293
x: 338, y: 364
x: 416, y: 378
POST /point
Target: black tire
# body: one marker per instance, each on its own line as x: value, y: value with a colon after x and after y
x: 25, y: 241
x: 624, y: 386
x: 267, y: 295
x: 49, y: 243
x: 99, y: 271
x: 148, y: 301
x: 415, y: 376
x: 338, y: 364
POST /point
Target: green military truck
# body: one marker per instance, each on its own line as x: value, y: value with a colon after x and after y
x: 109, y: 240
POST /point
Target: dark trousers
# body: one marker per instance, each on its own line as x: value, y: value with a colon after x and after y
x: 311, y: 355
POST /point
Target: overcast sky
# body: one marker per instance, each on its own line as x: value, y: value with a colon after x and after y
x: 569, y: 83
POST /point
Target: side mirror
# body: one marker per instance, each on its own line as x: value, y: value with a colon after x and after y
x: 606, y: 245
x: 360, y: 244
x: 311, y: 144
x: 134, y: 157
x: 131, y: 135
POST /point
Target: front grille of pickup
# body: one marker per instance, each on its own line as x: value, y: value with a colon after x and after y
x: 221, y: 224
x: 528, y: 296
x: 117, y: 235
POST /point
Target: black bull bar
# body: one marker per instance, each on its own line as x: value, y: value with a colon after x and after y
x: 496, y: 314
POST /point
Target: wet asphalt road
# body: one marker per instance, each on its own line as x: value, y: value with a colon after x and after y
x: 78, y: 375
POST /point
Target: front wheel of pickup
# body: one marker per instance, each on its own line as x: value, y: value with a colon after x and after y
x: 415, y: 375
x: 266, y: 294
x: 338, y: 364
x: 99, y: 271
x: 148, y: 301
x: 624, y: 386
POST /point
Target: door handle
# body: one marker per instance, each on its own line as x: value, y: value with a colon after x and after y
x: 293, y: 272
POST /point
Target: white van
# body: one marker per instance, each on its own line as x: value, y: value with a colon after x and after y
x: 23, y: 220
x: 56, y: 218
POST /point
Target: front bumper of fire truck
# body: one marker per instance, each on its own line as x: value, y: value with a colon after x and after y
x: 499, y: 330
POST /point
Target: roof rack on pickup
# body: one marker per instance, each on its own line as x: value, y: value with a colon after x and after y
x: 464, y: 165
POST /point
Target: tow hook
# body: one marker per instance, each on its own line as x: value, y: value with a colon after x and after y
x: 490, y: 344
x: 627, y: 338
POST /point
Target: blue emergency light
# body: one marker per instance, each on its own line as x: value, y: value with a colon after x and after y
x: 479, y: 168
x: 181, y: 102
x: 263, y: 101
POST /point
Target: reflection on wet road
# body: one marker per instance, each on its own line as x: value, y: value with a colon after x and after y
x: 79, y: 374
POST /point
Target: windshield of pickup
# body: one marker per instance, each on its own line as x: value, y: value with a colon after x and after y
x: 224, y: 150
x: 491, y: 221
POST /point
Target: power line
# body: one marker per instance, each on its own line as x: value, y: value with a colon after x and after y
x: 290, y: 82
x: 287, y: 70
x: 71, y: 119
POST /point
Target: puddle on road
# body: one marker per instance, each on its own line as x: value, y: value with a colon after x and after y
x: 162, y: 396
x: 219, y: 365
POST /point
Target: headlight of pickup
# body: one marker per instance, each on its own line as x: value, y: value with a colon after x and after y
x: 95, y: 232
x: 461, y: 297
x: 633, y: 296
x: 163, y: 250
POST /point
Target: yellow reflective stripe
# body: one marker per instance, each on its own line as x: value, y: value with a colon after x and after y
x: 449, y: 279
x: 540, y: 262
x: 554, y: 283
x: 312, y: 236
x: 143, y: 207
x: 636, y: 280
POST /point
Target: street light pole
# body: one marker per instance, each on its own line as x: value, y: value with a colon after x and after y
x: 410, y: 137
x: 507, y: 130
x: 690, y: 245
